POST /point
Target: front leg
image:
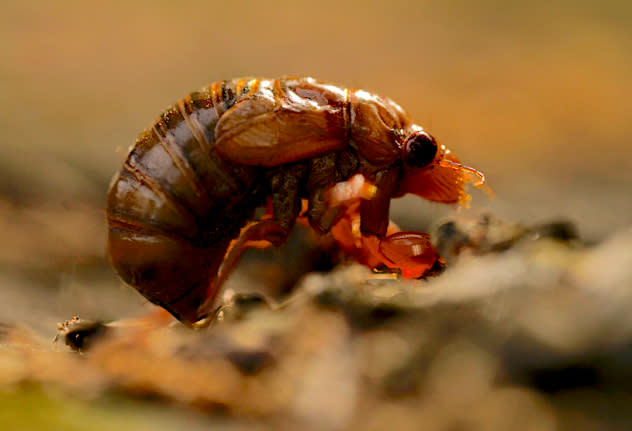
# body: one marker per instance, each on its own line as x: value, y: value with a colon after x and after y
x: 409, y: 252
x: 364, y: 232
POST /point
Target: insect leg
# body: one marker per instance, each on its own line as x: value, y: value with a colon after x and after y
x: 409, y: 252
x: 273, y: 229
x: 322, y: 177
x: 347, y: 235
x: 412, y: 253
x: 285, y: 184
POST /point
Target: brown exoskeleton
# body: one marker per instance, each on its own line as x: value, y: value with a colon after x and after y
x: 181, y: 209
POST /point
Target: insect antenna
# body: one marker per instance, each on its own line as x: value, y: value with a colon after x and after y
x: 480, y: 182
x: 475, y: 176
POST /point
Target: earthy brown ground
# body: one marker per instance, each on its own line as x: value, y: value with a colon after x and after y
x: 529, y: 328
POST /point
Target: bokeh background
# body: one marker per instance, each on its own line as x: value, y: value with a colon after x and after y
x: 538, y: 95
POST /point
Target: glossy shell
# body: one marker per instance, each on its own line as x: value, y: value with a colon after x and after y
x: 196, y: 176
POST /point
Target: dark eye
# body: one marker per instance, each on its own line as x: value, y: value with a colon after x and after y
x: 420, y: 150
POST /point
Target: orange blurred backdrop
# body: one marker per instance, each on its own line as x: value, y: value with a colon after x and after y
x: 536, y: 94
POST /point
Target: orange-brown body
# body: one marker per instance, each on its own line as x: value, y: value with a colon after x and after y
x: 181, y: 209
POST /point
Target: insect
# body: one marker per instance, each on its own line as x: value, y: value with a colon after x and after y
x: 181, y: 209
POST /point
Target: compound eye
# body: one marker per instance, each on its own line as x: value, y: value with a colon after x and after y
x: 420, y: 150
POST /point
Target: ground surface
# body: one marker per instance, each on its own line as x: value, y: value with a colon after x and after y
x: 527, y: 329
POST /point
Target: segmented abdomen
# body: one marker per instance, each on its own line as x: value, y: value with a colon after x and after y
x: 176, y: 204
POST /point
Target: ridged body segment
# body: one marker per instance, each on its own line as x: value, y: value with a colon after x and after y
x: 176, y: 204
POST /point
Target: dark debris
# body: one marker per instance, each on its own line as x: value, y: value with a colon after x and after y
x: 80, y: 334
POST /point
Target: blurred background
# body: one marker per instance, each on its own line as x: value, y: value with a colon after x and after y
x: 538, y: 95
